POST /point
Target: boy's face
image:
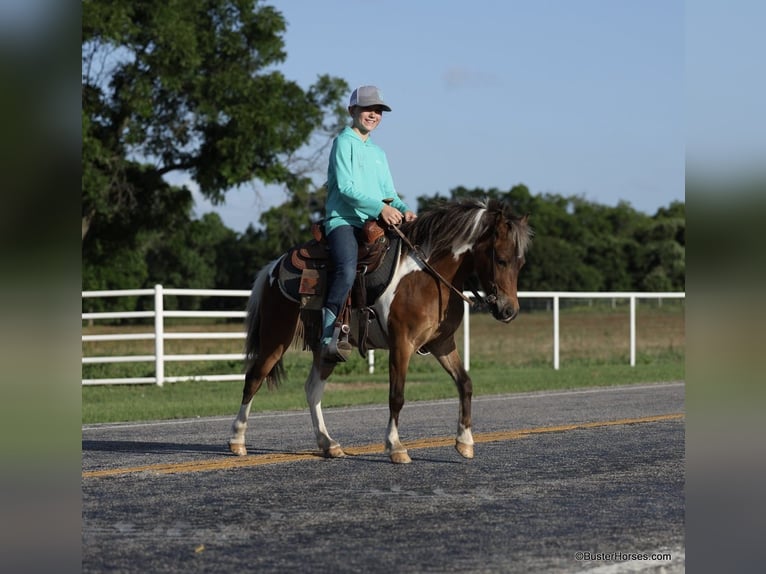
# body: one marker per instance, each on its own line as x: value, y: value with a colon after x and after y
x: 366, y: 119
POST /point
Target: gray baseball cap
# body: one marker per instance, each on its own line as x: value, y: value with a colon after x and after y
x: 365, y: 96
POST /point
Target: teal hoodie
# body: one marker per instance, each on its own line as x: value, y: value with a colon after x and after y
x: 358, y: 180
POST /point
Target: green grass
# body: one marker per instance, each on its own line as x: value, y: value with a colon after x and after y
x: 193, y: 399
x: 504, y: 359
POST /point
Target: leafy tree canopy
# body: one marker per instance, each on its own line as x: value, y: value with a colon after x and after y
x: 191, y: 87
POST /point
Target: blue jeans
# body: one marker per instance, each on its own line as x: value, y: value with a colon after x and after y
x: 343, y: 253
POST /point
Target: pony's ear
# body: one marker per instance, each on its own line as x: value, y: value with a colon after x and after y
x: 525, y: 219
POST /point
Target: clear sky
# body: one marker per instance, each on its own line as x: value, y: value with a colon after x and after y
x: 725, y: 89
x: 569, y: 97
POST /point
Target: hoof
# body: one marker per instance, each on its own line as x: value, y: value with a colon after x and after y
x: 334, y: 452
x: 238, y: 449
x: 400, y: 457
x: 465, y: 450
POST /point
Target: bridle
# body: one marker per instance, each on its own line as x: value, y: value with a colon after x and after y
x: 491, y: 298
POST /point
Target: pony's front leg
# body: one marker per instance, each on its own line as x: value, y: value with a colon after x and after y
x: 314, y: 388
x: 464, y: 439
x: 394, y: 448
x: 450, y: 360
x: 398, y: 363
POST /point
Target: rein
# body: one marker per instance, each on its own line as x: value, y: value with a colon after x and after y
x: 416, y: 250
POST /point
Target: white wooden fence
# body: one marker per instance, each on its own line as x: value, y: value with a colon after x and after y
x: 159, y: 336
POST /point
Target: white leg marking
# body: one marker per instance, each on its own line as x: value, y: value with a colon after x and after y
x: 239, y: 426
x: 314, y: 388
x: 392, y: 438
x: 464, y: 435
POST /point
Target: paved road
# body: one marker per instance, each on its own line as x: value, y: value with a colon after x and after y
x: 596, y: 471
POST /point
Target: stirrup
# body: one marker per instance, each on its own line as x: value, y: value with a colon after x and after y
x: 337, y: 350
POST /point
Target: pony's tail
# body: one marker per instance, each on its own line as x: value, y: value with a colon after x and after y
x: 253, y: 327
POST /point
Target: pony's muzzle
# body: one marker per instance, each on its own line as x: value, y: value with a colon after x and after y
x: 505, y: 313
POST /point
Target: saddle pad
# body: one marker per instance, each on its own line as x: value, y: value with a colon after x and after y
x: 378, y: 280
x: 290, y: 278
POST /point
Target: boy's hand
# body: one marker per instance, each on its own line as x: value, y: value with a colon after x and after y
x: 391, y: 215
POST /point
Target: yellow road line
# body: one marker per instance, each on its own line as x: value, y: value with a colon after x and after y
x: 228, y: 462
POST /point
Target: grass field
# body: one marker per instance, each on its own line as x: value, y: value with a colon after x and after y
x: 594, y: 350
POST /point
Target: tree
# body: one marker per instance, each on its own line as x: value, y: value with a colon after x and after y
x: 663, y: 250
x: 189, y: 257
x: 191, y: 87
x: 583, y: 246
x: 114, y: 254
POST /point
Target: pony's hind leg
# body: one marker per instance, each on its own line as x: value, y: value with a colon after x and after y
x: 239, y: 426
x: 271, y: 326
x: 314, y: 388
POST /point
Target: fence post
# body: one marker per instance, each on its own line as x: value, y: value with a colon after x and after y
x: 466, y: 336
x: 556, y: 332
x: 632, y: 330
x: 159, y: 336
x: 370, y: 361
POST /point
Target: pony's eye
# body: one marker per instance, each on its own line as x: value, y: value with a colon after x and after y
x: 502, y: 262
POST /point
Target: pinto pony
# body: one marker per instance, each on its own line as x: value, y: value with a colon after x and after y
x: 419, y: 310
